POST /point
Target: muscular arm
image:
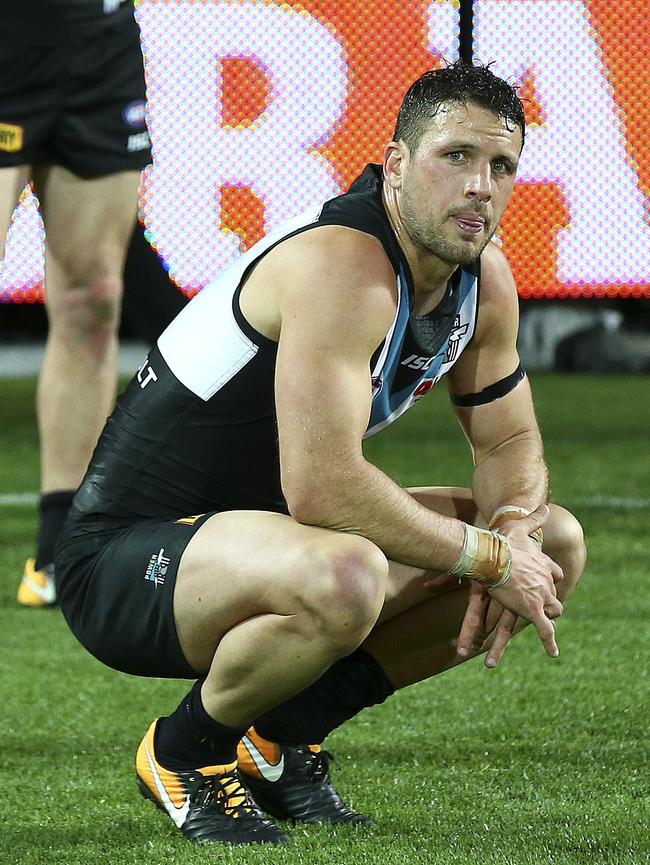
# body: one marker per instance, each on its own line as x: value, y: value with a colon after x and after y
x: 503, y: 434
x: 334, y: 312
x: 509, y: 463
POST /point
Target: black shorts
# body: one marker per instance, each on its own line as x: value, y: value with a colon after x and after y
x: 76, y: 102
x: 115, y: 585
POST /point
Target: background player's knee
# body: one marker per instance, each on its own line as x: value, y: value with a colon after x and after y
x: 86, y: 309
x: 345, y: 593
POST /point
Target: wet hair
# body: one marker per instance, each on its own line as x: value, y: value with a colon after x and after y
x: 458, y: 84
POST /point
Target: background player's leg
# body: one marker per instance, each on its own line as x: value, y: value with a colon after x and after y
x: 89, y: 224
x: 36, y: 588
x: 12, y: 182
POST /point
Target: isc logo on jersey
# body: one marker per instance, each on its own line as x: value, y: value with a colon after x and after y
x: 416, y: 362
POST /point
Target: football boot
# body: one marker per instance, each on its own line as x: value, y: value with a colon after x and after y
x: 292, y: 783
x: 37, y: 588
x: 208, y: 805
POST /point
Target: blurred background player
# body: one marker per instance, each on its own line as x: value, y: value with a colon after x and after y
x: 72, y: 121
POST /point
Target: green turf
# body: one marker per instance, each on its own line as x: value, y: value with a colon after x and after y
x: 539, y: 761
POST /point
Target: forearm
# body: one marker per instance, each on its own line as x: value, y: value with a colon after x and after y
x: 363, y: 500
x: 514, y: 473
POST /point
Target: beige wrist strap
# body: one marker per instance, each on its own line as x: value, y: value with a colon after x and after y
x: 515, y: 512
x: 485, y: 557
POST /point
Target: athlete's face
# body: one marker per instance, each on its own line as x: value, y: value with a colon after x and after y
x: 452, y: 191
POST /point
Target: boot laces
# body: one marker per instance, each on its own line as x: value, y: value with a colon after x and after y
x: 319, y: 765
x: 228, y: 794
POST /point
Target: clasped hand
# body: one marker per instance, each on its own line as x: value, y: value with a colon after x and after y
x: 530, y: 594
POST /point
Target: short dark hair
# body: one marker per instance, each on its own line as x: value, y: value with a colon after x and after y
x: 458, y: 84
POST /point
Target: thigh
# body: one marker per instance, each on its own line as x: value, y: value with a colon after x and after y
x: 89, y: 223
x: 242, y: 564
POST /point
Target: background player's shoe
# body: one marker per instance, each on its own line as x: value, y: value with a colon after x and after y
x: 37, y: 588
x: 292, y: 783
x: 209, y: 805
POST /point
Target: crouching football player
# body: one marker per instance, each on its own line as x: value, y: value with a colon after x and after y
x: 229, y: 529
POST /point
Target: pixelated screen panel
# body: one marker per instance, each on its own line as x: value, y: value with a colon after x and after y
x: 259, y: 109
x: 579, y: 221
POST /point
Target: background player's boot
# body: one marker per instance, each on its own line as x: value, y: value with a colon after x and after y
x: 208, y: 805
x: 37, y: 588
x: 292, y: 783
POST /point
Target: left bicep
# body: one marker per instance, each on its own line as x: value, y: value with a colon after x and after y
x: 483, y: 374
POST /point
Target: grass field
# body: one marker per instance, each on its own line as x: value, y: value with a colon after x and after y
x: 539, y: 761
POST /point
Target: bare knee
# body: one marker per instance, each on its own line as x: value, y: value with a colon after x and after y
x: 345, y: 594
x: 564, y: 541
x: 87, y: 309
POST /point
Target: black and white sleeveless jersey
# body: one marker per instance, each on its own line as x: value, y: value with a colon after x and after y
x: 196, y: 429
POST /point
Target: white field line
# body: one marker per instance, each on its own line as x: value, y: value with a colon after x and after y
x: 12, y: 500
x: 616, y: 503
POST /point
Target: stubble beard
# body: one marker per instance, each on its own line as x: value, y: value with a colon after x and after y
x: 432, y: 239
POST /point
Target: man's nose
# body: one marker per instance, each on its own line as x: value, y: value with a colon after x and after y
x: 479, y: 185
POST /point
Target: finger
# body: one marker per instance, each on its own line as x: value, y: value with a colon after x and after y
x: 546, y: 631
x: 502, y: 637
x: 553, y: 570
x: 553, y: 609
x: 556, y: 572
x: 494, y: 613
x: 535, y: 519
x: 472, y: 623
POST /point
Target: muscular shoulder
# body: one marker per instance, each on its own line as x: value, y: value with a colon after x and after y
x: 339, y: 275
x: 497, y: 282
x: 498, y: 305
x: 335, y: 250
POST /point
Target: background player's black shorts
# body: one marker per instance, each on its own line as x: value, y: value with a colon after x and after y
x: 76, y: 101
x: 115, y: 585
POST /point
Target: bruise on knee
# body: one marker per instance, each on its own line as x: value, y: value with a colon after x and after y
x: 89, y: 311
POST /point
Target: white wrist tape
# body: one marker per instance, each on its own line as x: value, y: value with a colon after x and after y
x: 485, y: 557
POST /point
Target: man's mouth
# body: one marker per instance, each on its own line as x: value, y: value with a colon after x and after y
x: 470, y: 223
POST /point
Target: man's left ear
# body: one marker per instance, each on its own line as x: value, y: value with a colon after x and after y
x: 393, y: 164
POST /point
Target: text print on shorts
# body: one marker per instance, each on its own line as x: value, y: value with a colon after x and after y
x: 157, y: 568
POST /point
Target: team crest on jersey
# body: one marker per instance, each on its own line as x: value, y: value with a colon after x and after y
x: 458, y: 331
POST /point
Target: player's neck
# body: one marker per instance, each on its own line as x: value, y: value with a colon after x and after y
x: 430, y: 273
